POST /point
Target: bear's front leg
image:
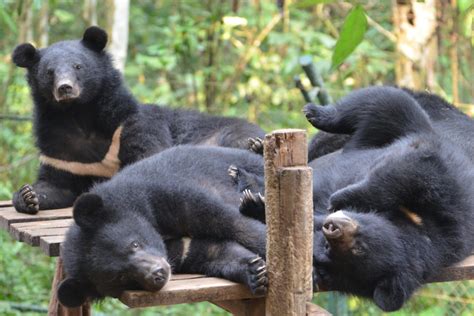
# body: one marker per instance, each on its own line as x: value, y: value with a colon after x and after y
x: 215, y: 258
x: 41, y: 196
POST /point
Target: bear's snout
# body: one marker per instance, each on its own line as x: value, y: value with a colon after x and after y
x: 339, y: 230
x: 152, y: 272
x: 66, y: 89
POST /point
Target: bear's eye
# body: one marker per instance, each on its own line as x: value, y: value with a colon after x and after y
x: 50, y: 72
x: 135, y: 245
x: 76, y: 66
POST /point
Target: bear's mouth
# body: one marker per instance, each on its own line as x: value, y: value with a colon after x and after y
x: 66, y: 97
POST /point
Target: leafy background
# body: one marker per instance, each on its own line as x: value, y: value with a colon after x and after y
x: 210, y: 56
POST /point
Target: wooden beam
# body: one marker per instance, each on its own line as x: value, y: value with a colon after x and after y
x: 10, y: 216
x: 184, y: 290
x: 248, y: 307
x: 289, y: 214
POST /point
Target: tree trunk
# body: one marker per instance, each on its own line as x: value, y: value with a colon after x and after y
x: 119, y: 42
x: 43, y: 25
x: 415, y: 29
x: 90, y: 12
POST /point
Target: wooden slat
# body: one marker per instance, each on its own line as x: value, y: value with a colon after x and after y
x: 176, y: 277
x: 16, y: 228
x: 463, y: 270
x: 5, y: 203
x: 9, y: 217
x: 51, y: 244
x: 32, y: 237
x: 188, y: 291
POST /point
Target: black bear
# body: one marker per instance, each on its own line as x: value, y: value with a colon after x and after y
x: 177, y: 210
x: 402, y: 187
x: 443, y: 116
x: 88, y: 125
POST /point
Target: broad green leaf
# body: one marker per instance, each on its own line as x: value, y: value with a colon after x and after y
x: 309, y: 3
x: 352, y: 34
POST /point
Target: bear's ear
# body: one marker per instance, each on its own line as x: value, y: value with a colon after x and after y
x: 88, y: 211
x: 72, y: 292
x: 25, y: 55
x: 391, y: 293
x: 95, y: 38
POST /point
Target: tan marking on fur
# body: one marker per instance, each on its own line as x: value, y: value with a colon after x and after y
x: 412, y: 216
x: 186, y: 244
x: 106, y: 168
x: 211, y: 141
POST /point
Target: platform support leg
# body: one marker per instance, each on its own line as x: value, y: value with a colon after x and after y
x: 250, y: 307
x: 55, y: 308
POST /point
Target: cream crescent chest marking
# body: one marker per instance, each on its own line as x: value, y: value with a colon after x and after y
x: 106, y: 168
x: 186, y: 243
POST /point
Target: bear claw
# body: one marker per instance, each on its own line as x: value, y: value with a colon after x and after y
x: 233, y: 172
x: 30, y: 199
x: 255, y: 145
x: 251, y: 200
x: 258, y: 279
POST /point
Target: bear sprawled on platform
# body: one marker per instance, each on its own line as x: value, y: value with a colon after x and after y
x: 401, y: 189
x: 176, y: 211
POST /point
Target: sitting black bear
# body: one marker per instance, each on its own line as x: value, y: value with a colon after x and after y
x: 177, y: 210
x: 88, y: 125
x: 402, y: 187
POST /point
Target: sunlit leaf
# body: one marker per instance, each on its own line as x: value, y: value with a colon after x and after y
x: 309, y: 3
x: 351, y: 36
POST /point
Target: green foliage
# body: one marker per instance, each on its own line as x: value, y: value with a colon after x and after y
x: 352, y: 34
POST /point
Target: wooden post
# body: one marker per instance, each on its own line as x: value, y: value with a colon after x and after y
x: 55, y: 308
x: 289, y: 215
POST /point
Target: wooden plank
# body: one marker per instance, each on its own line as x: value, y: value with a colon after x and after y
x: 175, y: 277
x: 316, y: 310
x: 51, y: 244
x: 32, y: 237
x: 5, y: 203
x: 188, y: 291
x: 9, y: 217
x: 17, y: 230
x: 463, y: 270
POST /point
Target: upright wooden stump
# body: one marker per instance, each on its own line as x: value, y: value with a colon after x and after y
x: 289, y: 215
x: 55, y: 308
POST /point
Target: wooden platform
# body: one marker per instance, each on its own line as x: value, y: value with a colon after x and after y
x: 47, y: 229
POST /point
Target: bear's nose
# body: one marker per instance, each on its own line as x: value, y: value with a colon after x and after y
x: 65, y: 88
x: 160, y: 274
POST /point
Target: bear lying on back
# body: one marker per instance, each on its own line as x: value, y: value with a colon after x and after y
x: 87, y: 124
x: 402, y: 187
x: 128, y: 232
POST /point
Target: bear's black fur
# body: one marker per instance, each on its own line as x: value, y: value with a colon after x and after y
x: 443, y: 116
x: 81, y: 105
x: 403, y: 186
x: 178, y: 208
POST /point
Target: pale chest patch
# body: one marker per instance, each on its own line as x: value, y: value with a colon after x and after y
x: 106, y: 168
x: 186, y: 243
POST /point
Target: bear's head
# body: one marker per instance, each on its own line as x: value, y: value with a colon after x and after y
x: 363, y: 254
x: 67, y: 72
x: 105, y: 254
